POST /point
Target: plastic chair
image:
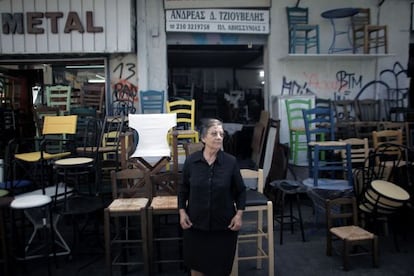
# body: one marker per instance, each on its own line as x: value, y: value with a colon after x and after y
x: 152, y: 101
x: 257, y: 203
x: 129, y: 201
x: 59, y: 96
x: 366, y: 35
x: 297, y: 134
x: 342, y: 225
x: 301, y: 33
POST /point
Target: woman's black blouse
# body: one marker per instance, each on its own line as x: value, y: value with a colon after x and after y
x: 211, y: 194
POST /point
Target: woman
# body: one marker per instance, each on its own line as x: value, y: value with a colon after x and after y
x: 211, y: 200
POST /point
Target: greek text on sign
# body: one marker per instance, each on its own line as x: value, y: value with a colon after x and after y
x: 217, y: 21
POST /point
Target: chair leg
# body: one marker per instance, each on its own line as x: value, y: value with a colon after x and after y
x: 270, y: 241
x: 107, y: 234
x: 345, y: 256
x: 375, y: 251
x: 329, y: 244
x: 300, y: 216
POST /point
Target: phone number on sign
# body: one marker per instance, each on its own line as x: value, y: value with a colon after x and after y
x: 189, y: 26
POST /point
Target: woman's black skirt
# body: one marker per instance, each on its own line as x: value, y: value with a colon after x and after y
x: 210, y: 252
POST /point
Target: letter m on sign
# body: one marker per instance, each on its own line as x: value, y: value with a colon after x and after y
x: 12, y: 23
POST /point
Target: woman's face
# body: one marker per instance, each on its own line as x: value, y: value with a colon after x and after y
x: 214, y: 137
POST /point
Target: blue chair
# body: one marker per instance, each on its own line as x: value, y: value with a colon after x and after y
x: 323, y: 151
x: 301, y: 33
x: 152, y: 101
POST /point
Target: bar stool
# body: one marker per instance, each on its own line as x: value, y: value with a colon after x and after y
x: 289, y: 190
x: 37, y: 209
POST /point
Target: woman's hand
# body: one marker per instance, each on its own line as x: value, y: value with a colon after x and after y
x: 184, y: 220
x: 236, y: 221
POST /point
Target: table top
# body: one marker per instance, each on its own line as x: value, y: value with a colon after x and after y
x: 339, y: 13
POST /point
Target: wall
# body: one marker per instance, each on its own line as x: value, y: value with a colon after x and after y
x: 341, y: 77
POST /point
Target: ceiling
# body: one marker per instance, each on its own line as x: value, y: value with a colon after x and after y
x: 229, y: 56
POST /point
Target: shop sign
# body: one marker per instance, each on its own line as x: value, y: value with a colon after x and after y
x: 195, y: 4
x: 14, y: 23
x: 217, y: 21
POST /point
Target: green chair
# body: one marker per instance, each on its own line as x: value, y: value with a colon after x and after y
x: 296, y: 126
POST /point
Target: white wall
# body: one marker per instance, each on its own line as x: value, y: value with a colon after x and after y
x: 327, y: 75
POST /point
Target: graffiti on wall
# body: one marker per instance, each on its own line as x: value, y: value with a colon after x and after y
x: 391, y: 87
x: 124, y: 85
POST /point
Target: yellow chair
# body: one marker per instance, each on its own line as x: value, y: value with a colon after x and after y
x: 186, y: 132
x: 258, y: 203
x: 53, y: 125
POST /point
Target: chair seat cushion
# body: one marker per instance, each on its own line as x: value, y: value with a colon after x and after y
x: 128, y: 204
x: 351, y: 232
x: 164, y: 202
x: 254, y: 198
x: 36, y: 155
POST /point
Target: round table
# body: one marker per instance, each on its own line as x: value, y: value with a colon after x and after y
x: 333, y: 15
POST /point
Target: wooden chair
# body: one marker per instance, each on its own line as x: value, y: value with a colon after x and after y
x: 259, y: 139
x: 384, y: 138
x: 338, y: 211
x: 93, y: 95
x: 297, y: 134
x: 257, y: 203
x: 152, y: 101
x: 366, y: 35
x: 359, y: 151
x: 186, y: 131
x: 301, y: 33
x: 130, y: 198
x: 192, y: 147
x: 59, y: 96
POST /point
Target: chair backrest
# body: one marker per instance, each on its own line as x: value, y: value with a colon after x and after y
x: 93, y: 95
x: 359, y: 151
x: 190, y: 148
x: 152, y: 132
x: 294, y: 109
x: 186, y: 93
x: 341, y: 210
x: 384, y: 138
x: 368, y: 110
x: 322, y: 102
x: 60, y: 124
x: 362, y: 18
x: 319, y: 124
x: 152, y: 101
x: 344, y: 110
x: 253, y: 178
x: 110, y: 136
x: 297, y: 15
x: 131, y: 183
x: 59, y: 96
x: 185, y: 112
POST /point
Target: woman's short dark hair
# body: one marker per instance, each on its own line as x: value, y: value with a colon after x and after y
x: 206, y: 124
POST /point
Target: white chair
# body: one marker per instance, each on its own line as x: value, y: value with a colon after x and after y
x: 258, y: 203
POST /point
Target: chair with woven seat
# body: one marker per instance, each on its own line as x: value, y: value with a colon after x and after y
x: 257, y: 203
x: 367, y: 35
x: 93, y: 96
x: 130, y: 198
x: 342, y: 210
x: 297, y: 134
x: 301, y: 33
x: 152, y: 101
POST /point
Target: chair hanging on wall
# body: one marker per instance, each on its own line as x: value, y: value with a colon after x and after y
x: 301, y: 33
